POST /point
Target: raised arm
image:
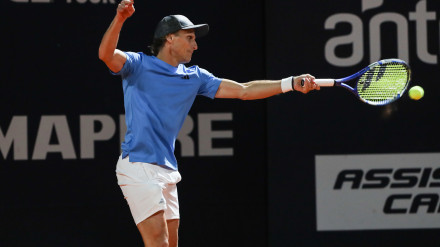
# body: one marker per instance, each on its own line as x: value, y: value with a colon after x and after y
x: 112, y: 57
x: 264, y: 88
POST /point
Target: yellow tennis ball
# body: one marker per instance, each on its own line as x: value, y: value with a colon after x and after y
x: 416, y: 92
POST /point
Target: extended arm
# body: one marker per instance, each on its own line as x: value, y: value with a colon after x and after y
x: 263, y: 88
x: 112, y: 57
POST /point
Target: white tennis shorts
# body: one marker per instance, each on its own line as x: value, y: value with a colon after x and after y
x: 148, y: 189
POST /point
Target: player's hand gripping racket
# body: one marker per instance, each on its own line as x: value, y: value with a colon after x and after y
x: 380, y: 83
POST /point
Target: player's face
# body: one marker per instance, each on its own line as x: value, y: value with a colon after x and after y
x: 183, y: 45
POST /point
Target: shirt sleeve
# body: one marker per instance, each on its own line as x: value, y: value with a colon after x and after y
x: 133, y: 62
x: 209, y: 85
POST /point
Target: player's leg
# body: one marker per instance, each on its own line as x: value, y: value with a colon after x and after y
x: 173, y: 232
x: 151, y: 193
x: 154, y: 230
x: 172, y: 211
x: 143, y: 193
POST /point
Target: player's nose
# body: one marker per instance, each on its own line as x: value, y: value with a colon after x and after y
x: 195, y: 47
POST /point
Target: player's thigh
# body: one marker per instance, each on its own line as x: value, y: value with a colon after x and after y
x: 154, y: 229
x: 173, y: 232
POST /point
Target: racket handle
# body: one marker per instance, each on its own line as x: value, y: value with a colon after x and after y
x: 322, y: 82
x: 325, y: 82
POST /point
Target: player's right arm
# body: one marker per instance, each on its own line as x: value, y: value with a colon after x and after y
x: 112, y: 57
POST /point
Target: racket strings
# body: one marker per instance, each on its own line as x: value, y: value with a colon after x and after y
x: 383, y: 83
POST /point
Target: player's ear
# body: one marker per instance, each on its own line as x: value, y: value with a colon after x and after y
x: 170, y: 37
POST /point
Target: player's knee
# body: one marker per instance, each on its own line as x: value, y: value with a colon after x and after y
x: 157, y: 243
x: 160, y: 238
x: 160, y: 243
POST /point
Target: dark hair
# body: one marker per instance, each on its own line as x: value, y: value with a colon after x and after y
x: 157, y: 45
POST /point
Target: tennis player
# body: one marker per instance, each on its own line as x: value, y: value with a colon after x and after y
x: 159, y: 91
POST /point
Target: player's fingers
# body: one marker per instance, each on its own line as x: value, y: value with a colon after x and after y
x: 125, y: 3
x: 311, y: 77
x: 307, y: 84
x: 312, y: 86
x: 315, y: 86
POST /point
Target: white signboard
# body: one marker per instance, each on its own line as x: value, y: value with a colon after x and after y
x: 380, y: 191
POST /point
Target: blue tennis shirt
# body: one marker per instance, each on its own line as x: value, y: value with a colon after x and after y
x: 157, y: 98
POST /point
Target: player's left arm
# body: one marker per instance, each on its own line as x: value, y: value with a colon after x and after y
x: 261, y: 89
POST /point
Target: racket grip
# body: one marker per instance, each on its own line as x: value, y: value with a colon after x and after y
x: 325, y: 82
x: 322, y: 82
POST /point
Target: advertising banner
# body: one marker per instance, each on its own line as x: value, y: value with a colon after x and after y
x: 378, y: 191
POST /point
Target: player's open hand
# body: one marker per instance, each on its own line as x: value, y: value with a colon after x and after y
x: 125, y: 9
x: 305, y: 83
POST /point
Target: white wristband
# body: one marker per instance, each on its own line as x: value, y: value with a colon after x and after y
x: 286, y: 84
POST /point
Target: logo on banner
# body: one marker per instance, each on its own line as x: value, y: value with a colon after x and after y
x: 384, y: 191
x: 15, y: 137
x: 420, y: 16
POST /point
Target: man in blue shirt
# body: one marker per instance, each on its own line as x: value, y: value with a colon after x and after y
x: 159, y: 91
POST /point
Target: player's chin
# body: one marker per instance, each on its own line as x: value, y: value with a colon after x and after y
x: 187, y: 60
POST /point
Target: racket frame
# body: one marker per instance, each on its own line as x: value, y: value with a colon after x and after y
x: 341, y: 82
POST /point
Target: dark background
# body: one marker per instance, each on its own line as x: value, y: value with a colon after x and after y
x: 263, y: 195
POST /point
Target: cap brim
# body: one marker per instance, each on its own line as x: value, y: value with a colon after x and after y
x: 200, y: 29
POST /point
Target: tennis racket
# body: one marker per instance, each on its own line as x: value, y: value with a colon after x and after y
x: 380, y: 83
